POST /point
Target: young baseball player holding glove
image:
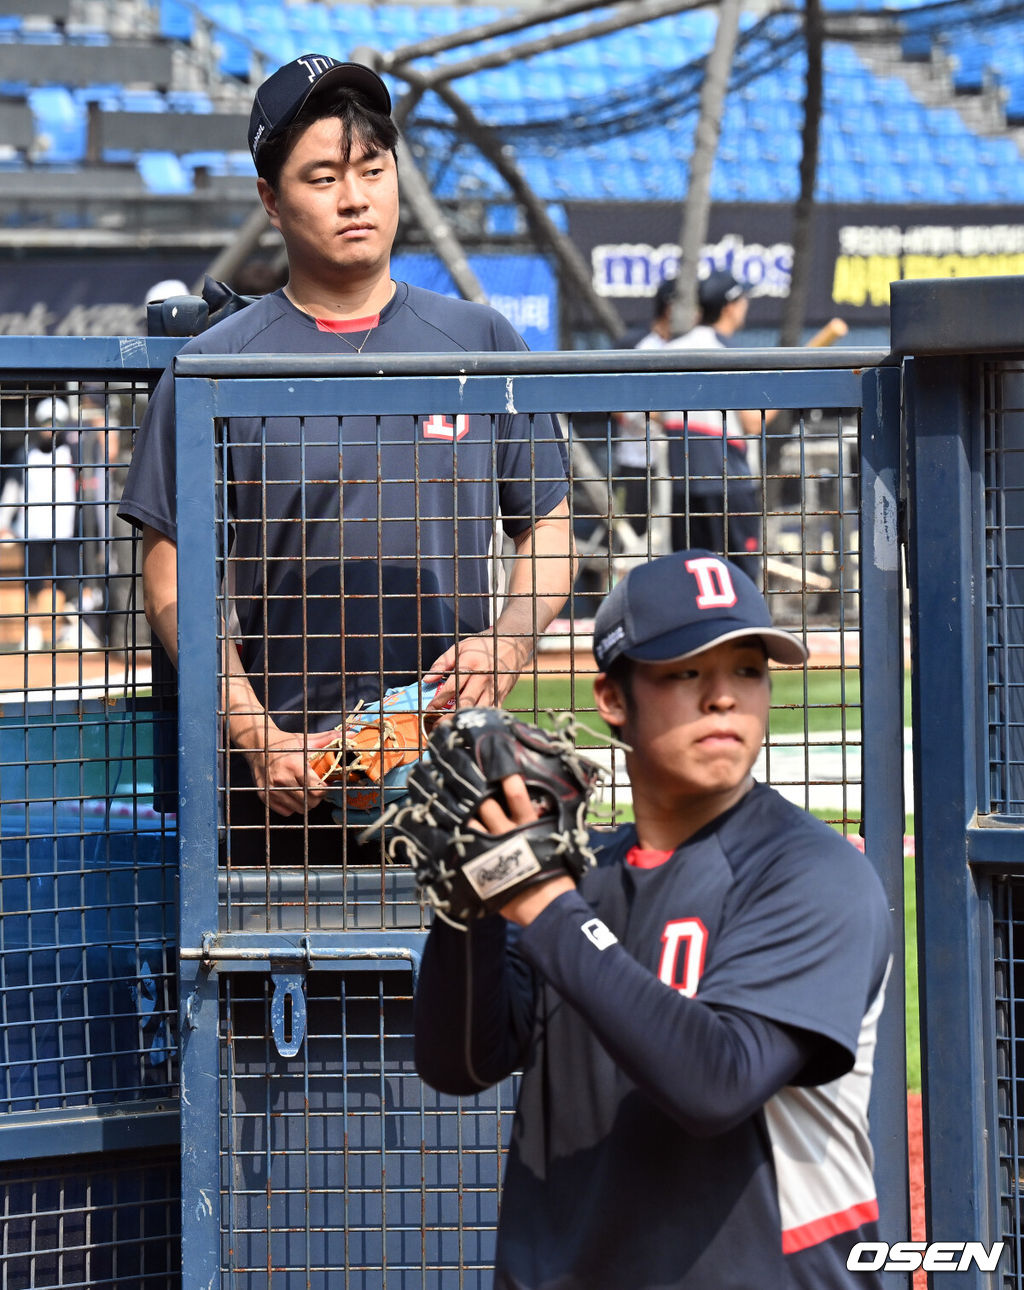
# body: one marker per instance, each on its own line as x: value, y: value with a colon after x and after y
x: 412, y: 502
x: 695, y: 1013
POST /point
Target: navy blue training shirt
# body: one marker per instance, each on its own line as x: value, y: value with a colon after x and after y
x: 395, y: 552
x: 696, y: 1041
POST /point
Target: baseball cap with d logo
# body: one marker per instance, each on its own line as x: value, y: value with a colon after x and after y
x: 683, y: 603
x: 281, y: 96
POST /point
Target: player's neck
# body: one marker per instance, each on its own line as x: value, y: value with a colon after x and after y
x: 340, y: 302
x: 663, y: 826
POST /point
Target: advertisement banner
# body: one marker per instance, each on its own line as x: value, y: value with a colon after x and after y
x: 856, y: 252
x: 85, y: 293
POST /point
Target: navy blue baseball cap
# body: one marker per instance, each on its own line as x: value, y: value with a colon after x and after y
x: 720, y: 288
x: 280, y: 98
x: 680, y: 604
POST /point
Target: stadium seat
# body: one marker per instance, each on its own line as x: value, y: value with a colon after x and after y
x: 879, y: 144
x: 176, y: 20
x: 162, y: 172
x: 60, y: 124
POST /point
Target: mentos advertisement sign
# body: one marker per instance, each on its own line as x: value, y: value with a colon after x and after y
x: 855, y: 252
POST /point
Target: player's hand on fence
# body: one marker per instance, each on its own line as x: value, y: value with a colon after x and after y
x: 280, y: 768
x: 481, y: 670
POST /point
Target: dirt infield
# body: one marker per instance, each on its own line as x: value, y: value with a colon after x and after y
x: 65, y: 671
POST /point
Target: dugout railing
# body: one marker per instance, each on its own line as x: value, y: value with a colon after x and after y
x: 260, y: 1024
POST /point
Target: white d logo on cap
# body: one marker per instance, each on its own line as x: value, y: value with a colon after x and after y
x: 714, y: 583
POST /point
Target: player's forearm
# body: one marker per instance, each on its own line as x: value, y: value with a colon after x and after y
x: 541, y: 580
x: 472, y: 1009
x: 752, y: 420
x: 244, y: 714
x: 160, y: 589
x: 246, y: 719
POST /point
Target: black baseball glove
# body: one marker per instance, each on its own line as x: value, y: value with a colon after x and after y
x: 464, y: 871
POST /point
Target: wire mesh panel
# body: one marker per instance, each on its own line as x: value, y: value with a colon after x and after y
x: 1003, y: 444
x: 1008, y: 920
x: 67, y: 564
x: 332, y: 552
x: 338, y: 1167
x: 1004, y: 493
x: 106, y: 1221
x: 87, y: 883
x: 88, y: 844
x: 353, y: 552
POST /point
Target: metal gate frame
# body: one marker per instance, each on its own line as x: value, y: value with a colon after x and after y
x: 209, y: 388
x: 961, y: 342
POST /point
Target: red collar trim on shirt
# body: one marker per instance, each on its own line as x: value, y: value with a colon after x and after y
x: 347, y: 324
x: 642, y: 858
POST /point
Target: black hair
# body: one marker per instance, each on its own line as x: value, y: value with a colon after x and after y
x: 710, y: 314
x: 360, y: 123
x: 663, y: 297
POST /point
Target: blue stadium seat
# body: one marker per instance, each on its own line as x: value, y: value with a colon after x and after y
x: 1014, y: 87
x: 229, y: 14
x: 162, y: 172
x: 884, y: 184
x: 188, y: 101
x: 135, y: 100
x: 236, y: 54
x: 878, y: 144
x: 312, y: 23
x: 60, y: 124
x: 176, y: 20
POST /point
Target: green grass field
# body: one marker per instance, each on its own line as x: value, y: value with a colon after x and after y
x: 812, y: 702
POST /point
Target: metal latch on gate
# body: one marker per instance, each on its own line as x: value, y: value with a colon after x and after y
x: 288, y: 1011
x: 289, y: 965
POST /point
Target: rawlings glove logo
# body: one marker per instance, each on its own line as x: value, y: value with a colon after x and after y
x: 501, y: 867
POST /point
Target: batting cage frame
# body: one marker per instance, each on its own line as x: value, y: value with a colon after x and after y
x: 250, y: 1116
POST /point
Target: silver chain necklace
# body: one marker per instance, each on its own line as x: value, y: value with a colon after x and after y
x: 340, y: 334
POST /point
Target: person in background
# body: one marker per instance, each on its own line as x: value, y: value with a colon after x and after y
x: 716, y: 503
x: 633, y: 449
x: 39, y: 507
x: 714, y: 456
x: 394, y: 566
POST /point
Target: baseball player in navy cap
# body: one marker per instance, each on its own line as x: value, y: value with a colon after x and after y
x: 696, y: 1022
x: 374, y: 533
x: 718, y: 500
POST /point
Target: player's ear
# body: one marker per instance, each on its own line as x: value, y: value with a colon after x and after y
x: 610, y: 700
x: 269, y: 199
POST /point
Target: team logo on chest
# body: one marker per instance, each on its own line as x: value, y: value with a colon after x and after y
x: 451, y: 429
x: 684, y: 945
